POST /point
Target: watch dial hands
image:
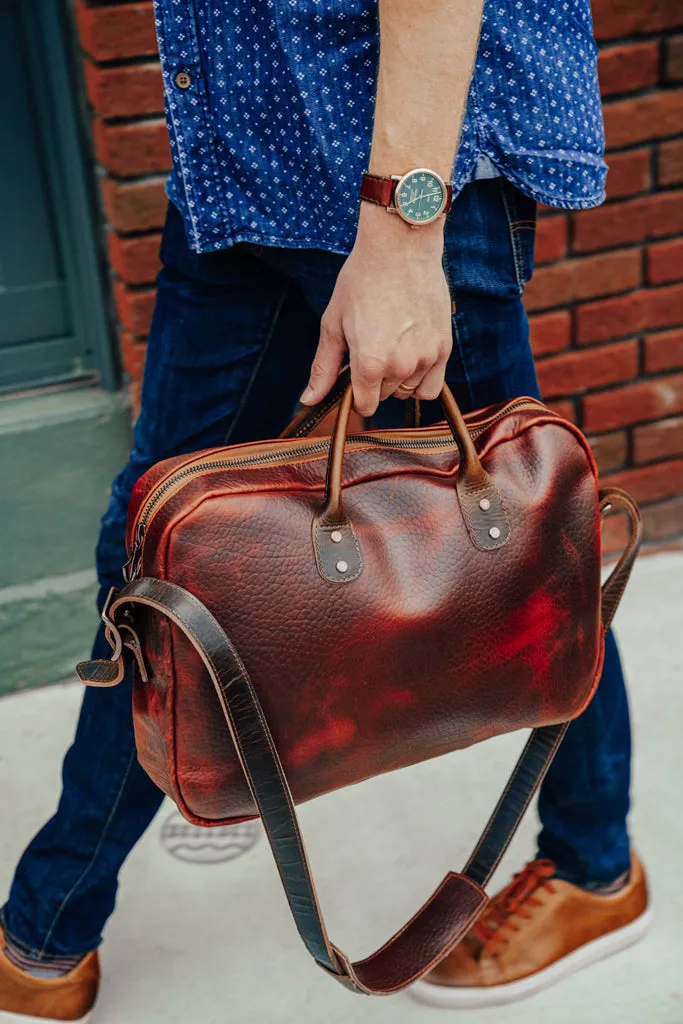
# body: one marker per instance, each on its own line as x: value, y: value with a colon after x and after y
x: 420, y: 198
x: 414, y: 198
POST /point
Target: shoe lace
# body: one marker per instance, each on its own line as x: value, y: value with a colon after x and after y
x: 515, y: 901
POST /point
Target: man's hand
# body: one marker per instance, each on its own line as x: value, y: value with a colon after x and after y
x: 391, y: 306
x: 391, y: 309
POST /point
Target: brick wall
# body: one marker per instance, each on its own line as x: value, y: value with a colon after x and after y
x: 123, y: 85
x: 606, y: 301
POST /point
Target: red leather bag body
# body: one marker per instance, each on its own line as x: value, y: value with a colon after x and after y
x: 436, y: 645
x: 388, y: 597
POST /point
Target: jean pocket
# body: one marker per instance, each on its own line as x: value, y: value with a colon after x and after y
x: 521, y: 215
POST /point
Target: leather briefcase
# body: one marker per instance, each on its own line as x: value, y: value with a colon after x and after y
x: 306, y: 613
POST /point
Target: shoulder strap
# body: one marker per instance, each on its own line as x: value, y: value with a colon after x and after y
x: 460, y: 898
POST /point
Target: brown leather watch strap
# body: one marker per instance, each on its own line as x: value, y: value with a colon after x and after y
x: 380, y: 191
x: 460, y: 898
x: 375, y: 189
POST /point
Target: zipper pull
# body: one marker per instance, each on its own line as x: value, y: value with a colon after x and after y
x: 132, y: 566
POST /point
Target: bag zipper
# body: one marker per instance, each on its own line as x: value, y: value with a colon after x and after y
x: 159, y: 495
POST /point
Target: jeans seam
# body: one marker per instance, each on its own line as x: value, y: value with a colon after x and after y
x: 455, y: 331
x: 517, y: 255
x: 96, y: 851
x: 266, y: 344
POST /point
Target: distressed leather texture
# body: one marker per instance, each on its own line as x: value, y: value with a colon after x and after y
x: 456, y: 903
x: 435, y: 646
x: 438, y: 926
x: 258, y: 684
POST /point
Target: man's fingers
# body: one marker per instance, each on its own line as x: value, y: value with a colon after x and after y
x: 328, y: 359
x: 366, y: 378
x: 427, y: 377
x: 431, y: 384
x: 406, y: 388
x: 389, y: 387
x: 366, y: 398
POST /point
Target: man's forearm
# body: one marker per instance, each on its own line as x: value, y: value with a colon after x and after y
x: 391, y: 308
x: 427, y: 53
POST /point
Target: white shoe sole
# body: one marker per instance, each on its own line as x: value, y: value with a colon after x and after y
x: 20, y: 1018
x: 447, y: 998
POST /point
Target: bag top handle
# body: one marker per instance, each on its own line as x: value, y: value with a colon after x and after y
x: 481, y: 504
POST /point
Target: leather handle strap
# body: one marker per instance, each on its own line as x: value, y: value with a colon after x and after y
x: 470, y: 471
x: 613, y: 498
x: 458, y: 901
x: 331, y: 510
x: 311, y: 416
x: 481, y: 504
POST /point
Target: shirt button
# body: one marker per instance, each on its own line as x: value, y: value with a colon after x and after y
x: 183, y: 80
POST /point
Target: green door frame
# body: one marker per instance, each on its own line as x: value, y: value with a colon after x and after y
x: 51, y: 52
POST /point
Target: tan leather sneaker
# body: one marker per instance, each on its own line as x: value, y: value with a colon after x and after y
x: 535, y: 932
x: 28, y: 1000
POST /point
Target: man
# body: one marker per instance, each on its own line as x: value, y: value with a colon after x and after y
x: 270, y: 113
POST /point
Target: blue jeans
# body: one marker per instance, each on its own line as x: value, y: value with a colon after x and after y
x: 231, y: 344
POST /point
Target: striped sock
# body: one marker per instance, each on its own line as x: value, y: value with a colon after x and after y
x: 40, y: 966
x: 609, y: 888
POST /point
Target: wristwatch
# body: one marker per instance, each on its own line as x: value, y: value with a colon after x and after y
x: 418, y: 197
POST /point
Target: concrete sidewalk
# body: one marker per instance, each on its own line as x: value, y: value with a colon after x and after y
x: 197, y: 942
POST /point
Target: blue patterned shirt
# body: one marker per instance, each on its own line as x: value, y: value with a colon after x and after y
x: 270, y: 106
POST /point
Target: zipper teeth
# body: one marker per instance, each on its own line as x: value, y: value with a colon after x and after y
x: 320, y: 446
x: 200, y: 467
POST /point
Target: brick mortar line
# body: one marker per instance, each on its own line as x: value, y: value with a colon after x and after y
x: 123, y: 122
x: 645, y: 375
x: 132, y: 179
x: 640, y: 145
x: 642, y: 244
x: 573, y: 304
x: 120, y: 62
x: 614, y: 98
x: 656, y: 35
x: 132, y: 235
x: 610, y: 389
x: 620, y: 385
x: 151, y: 176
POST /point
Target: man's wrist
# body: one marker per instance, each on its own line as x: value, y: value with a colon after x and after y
x: 378, y: 228
x: 385, y: 162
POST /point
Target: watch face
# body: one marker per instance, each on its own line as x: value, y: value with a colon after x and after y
x: 420, y: 196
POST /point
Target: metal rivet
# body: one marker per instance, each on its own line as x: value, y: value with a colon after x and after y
x: 484, y: 504
x: 335, y: 536
x: 183, y: 80
x: 494, y: 532
x: 342, y: 566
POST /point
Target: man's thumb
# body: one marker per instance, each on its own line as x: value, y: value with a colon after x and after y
x: 326, y: 365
